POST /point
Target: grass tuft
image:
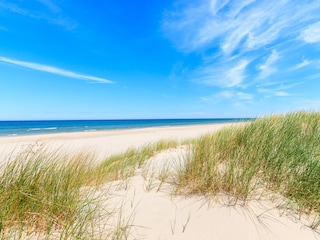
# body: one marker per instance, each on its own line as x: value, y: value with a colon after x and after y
x: 40, y: 192
x: 49, y: 193
x: 124, y: 165
x: 280, y: 153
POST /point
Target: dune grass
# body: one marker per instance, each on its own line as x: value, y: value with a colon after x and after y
x: 41, y: 192
x: 279, y: 154
x: 53, y: 193
x: 123, y: 165
x: 49, y: 192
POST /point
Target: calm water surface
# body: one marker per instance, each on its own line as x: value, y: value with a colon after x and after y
x: 16, y: 128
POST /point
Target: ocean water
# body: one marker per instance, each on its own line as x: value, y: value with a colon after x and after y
x: 19, y: 128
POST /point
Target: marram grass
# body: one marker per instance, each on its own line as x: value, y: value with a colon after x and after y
x: 41, y: 192
x: 50, y: 193
x: 280, y: 153
x: 123, y: 165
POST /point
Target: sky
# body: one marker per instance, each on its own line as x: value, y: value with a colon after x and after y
x: 103, y: 59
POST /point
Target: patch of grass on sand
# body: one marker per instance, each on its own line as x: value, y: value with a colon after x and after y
x: 123, y: 165
x: 279, y: 154
x: 41, y: 192
x: 49, y: 193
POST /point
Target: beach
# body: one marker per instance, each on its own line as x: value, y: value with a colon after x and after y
x: 104, y: 143
x: 154, y: 212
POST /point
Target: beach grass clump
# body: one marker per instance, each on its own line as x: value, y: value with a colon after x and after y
x: 51, y: 193
x: 123, y: 165
x: 41, y: 193
x: 279, y: 153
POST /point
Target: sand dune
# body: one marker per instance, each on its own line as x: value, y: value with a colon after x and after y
x: 149, y: 209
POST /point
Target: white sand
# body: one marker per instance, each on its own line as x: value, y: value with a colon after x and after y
x: 154, y: 212
x: 103, y: 143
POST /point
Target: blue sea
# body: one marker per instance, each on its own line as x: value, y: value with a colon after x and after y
x: 20, y: 128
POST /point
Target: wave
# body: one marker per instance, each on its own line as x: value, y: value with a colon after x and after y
x: 91, y: 130
x: 51, y: 128
x: 41, y: 129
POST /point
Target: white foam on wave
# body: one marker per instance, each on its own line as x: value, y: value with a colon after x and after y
x: 34, y: 129
x: 91, y: 130
x: 39, y: 129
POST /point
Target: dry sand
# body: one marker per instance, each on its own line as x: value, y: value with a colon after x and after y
x: 151, y: 211
x: 154, y: 212
x: 103, y: 143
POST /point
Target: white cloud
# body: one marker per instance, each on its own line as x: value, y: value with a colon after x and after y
x: 233, y: 24
x: 278, y: 91
x: 267, y: 68
x: 225, y: 94
x: 311, y: 34
x: 226, y: 75
x: 236, y: 75
x: 247, y: 44
x: 53, y: 16
x: 228, y: 95
x: 281, y: 94
x: 220, y: 96
x: 51, y: 5
x: 303, y: 64
x: 54, y: 70
x: 244, y: 96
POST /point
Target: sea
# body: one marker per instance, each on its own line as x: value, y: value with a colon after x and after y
x: 22, y: 128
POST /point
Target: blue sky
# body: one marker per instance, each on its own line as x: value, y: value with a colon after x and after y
x: 158, y: 59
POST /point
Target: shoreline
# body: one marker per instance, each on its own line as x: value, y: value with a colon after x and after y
x: 95, y: 133
x: 33, y: 128
x: 105, y: 142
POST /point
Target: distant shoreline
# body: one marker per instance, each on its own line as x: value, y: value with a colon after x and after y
x: 105, y: 142
x: 32, y: 128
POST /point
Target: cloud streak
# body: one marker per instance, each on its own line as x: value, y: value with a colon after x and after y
x: 54, y: 70
x: 46, y: 10
x: 236, y: 74
x: 248, y: 24
x: 311, y: 34
x: 303, y: 64
x: 228, y: 95
x: 267, y: 68
x: 243, y: 45
x: 50, y: 5
x: 225, y: 75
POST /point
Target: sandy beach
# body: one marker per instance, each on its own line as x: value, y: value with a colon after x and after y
x: 104, y: 143
x: 156, y: 213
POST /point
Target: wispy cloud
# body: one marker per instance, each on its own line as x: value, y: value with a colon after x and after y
x: 278, y: 86
x: 246, y: 29
x: 267, y: 68
x: 303, y: 64
x: 245, y: 96
x: 236, y: 74
x: 269, y: 92
x: 281, y: 94
x: 231, y: 24
x: 47, y: 10
x: 311, y: 34
x: 228, y: 95
x: 51, y: 5
x: 54, y: 70
x: 279, y: 91
x: 226, y: 75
